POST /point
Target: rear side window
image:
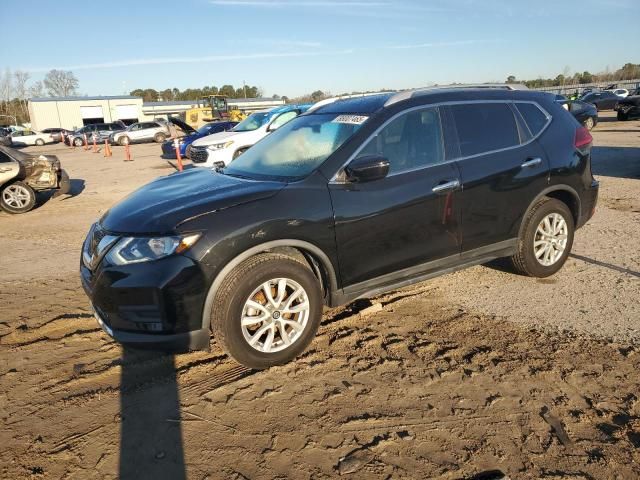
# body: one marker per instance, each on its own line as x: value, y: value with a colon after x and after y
x: 484, y: 127
x: 536, y: 120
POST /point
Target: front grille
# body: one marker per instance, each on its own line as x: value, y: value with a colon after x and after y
x: 96, y: 246
x: 199, y: 154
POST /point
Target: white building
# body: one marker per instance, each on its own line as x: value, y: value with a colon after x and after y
x: 74, y: 112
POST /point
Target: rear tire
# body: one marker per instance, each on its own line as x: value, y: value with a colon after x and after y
x: 622, y: 116
x: 159, y: 137
x: 78, y: 142
x: 39, y: 142
x: 124, y: 140
x: 17, y: 197
x: 242, y: 310
x: 545, y: 240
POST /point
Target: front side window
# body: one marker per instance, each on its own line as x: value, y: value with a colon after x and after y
x: 297, y: 148
x: 252, y: 122
x: 282, y: 119
x: 411, y: 141
x: 484, y: 127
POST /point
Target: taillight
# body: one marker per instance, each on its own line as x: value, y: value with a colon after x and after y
x: 583, y: 137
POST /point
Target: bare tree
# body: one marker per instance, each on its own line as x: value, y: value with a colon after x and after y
x: 20, y: 88
x: 36, y: 89
x: 6, y: 90
x: 60, y: 83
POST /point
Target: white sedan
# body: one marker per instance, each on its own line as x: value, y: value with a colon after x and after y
x: 26, y: 137
x: 621, y: 92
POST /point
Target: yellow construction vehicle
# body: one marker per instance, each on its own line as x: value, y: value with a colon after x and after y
x: 210, y: 109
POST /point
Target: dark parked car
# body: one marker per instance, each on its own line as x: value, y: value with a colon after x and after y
x: 56, y: 133
x: 602, y: 100
x: 629, y: 108
x: 169, y: 151
x: 585, y: 113
x: 101, y: 131
x: 356, y: 197
x: 5, y: 137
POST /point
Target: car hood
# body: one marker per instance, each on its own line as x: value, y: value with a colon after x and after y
x: 186, y: 128
x: 162, y: 205
x: 217, y: 138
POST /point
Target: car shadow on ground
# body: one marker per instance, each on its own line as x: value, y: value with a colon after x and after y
x: 621, y: 162
x: 77, y: 186
x: 151, y: 443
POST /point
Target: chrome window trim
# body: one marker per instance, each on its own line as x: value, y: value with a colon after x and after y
x: 335, y: 181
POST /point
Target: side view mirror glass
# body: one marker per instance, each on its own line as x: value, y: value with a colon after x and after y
x: 367, y: 168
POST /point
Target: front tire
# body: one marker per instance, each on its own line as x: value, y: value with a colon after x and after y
x: 17, y: 197
x: 239, y: 152
x: 589, y: 123
x: 78, y: 142
x: 267, y: 311
x: 546, y: 239
x: 39, y: 142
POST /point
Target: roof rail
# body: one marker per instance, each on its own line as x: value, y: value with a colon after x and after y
x: 328, y: 101
x: 406, y: 94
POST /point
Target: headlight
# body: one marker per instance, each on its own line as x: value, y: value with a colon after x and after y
x: 144, y: 249
x: 220, y: 146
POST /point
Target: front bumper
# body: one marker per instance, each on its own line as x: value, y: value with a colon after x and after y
x: 179, y: 342
x: 158, y: 304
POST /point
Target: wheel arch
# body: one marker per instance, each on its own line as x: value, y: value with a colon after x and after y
x: 318, y: 261
x: 565, y: 193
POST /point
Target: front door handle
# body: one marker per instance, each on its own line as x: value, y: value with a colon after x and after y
x: 446, y: 186
x: 532, y: 162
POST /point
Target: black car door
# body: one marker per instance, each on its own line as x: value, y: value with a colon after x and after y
x: 407, y: 218
x: 502, y: 168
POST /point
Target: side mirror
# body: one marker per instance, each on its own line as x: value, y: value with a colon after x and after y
x: 367, y: 169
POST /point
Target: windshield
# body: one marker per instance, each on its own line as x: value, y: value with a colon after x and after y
x: 297, y: 148
x: 252, y: 122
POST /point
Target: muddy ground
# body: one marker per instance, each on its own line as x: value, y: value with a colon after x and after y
x: 477, y: 371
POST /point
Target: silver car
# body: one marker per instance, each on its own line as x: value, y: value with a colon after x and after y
x: 142, y: 132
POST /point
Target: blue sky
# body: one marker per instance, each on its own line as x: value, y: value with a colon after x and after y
x: 290, y: 47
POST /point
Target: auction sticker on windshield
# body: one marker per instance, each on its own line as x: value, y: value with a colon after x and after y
x: 351, y: 119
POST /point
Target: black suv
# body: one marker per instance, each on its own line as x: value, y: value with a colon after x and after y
x: 353, y: 198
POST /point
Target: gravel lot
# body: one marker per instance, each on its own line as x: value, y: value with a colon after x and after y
x: 472, y: 372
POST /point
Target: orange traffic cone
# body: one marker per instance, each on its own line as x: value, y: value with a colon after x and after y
x: 127, y: 153
x: 107, y: 149
x: 95, y: 145
x: 86, y: 143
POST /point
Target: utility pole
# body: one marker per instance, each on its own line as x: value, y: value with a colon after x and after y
x: 244, y: 87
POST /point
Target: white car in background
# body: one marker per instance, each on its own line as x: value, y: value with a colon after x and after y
x: 226, y: 146
x: 621, y: 92
x: 142, y: 132
x: 29, y: 137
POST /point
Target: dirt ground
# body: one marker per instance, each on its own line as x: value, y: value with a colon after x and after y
x: 470, y: 373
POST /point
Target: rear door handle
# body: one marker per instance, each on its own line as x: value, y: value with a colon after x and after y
x: 532, y: 162
x: 446, y: 186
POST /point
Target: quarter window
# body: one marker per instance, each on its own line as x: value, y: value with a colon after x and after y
x: 484, y: 127
x: 536, y: 120
x: 411, y: 141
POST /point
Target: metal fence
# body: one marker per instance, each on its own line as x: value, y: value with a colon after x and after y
x: 568, y: 89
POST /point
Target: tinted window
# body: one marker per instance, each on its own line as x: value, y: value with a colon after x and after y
x: 411, y: 141
x: 536, y: 120
x: 484, y: 127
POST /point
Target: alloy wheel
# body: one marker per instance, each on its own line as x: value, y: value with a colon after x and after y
x: 275, y: 315
x: 16, y: 196
x: 550, y: 239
